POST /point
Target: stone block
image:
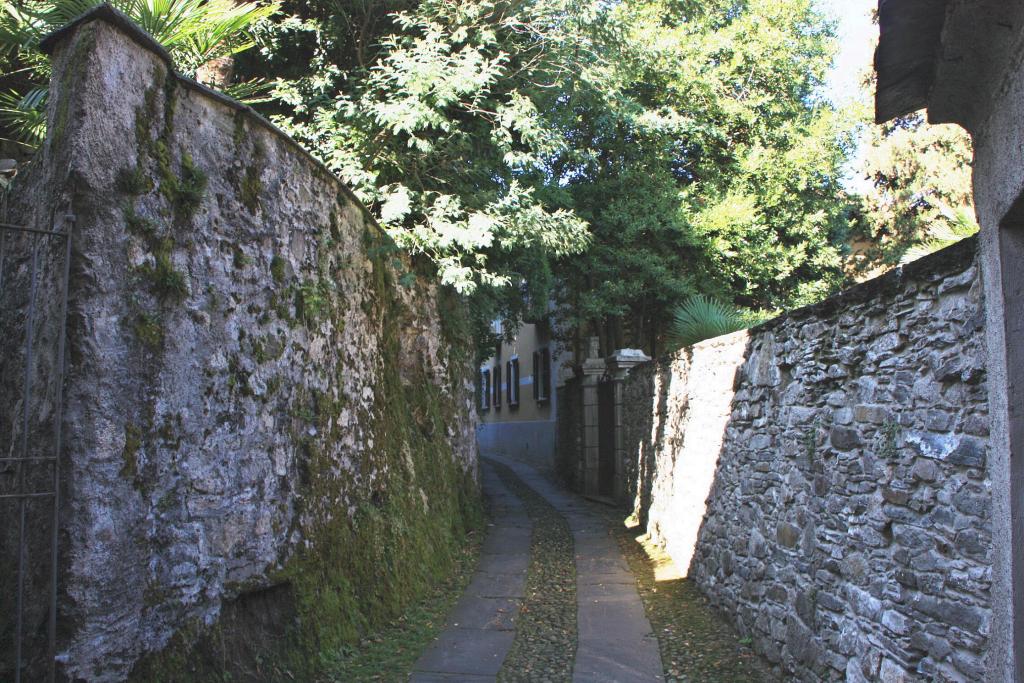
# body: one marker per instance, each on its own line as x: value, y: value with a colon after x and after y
x: 787, y: 535
x: 925, y: 470
x: 891, y: 672
x: 970, y: 452
x: 875, y: 414
x: 844, y: 438
x: 863, y: 603
x: 895, y: 623
x: 957, y: 614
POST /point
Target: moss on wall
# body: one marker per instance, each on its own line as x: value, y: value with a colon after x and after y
x: 292, y: 473
x: 413, y: 506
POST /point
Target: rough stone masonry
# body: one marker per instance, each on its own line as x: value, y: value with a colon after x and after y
x: 263, y: 411
x: 841, y: 450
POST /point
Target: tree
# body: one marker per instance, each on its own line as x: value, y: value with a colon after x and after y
x: 919, y: 196
x: 430, y: 111
x: 714, y: 170
x: 487, y: 136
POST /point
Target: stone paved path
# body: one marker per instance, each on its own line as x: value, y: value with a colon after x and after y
x: 615, y: 641
x: 481, y: 627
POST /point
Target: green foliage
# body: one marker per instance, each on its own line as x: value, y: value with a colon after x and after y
x: 24, y: 115
x: 716, y: 172
x: 164, y: 280
x: 958, y: 225
x: 139, y: 225
x: 312, y: 300
x: 701, y: 318
x: 277, y: 269
x: 184, y: 191
x: 149, y: 330
x: 135, y: 181
x: 643, y: 151
x: 431, y: 116
x: 194, y: 32
x: 920, y: 197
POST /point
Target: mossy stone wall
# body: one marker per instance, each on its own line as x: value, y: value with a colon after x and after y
x: 269, y: 424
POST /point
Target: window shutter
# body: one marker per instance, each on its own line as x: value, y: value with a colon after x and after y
x: 485, y: 390
x: 542, y: 375
x: 497, y: 386
x: 512, y: 381
x: 547, y: 373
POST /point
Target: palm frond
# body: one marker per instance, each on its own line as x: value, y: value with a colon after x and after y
x: 193, y: 32
x: 196, y: 31
x: 959, y: 224
x: 25, y: 115
x: 251, y: 92
x: 701, y: 317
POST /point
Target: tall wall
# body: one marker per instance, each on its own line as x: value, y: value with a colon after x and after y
x: 270, y: 423
x: 841, y: 450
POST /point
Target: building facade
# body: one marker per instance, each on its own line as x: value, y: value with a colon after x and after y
x: 516, y: 398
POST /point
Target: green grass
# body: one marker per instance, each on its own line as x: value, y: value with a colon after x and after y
x: 388, y: 655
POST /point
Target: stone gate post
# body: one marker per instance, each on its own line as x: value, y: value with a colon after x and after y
x: 618, y: 366
x: 593, y: 370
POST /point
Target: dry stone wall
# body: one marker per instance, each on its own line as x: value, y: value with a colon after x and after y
x: 847, y: 527
x: 269, y: 428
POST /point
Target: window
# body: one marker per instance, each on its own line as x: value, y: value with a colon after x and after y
x: 542, y: 375
x: 497, y: 387
x: 512, y: 381
x: 485, y: 390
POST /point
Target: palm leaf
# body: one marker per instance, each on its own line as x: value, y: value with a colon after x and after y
x: 25, y: 115
x: 251, y: 92
x: 959, y: 223
x: 193, y: 32
x: 702, y: 317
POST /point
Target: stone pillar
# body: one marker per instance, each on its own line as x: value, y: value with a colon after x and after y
x: 619, y: 364
x: 593, y: 370
x: 999, y: 197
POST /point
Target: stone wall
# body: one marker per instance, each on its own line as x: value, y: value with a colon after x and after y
x: 269, y: 430
x: 842, y: 451
x: 675, y: 439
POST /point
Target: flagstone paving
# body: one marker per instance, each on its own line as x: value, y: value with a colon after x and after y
x: 614, y: 637
x: 481, y: 627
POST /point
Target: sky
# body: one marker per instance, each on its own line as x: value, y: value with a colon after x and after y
x: 857, y: 34
x: 857, y: 37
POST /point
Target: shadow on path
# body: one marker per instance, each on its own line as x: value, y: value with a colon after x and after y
x: 615, y: 642
x: 481, y: 627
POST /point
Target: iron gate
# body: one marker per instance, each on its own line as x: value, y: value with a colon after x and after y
x: 34, y: 276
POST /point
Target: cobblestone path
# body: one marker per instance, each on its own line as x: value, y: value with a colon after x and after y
x: 614, y: 641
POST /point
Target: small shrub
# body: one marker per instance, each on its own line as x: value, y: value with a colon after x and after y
x: 134, y: 181
x: 277, y: 269
x: 149, y: 331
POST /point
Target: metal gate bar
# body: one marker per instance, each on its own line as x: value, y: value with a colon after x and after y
x: 39, y: 238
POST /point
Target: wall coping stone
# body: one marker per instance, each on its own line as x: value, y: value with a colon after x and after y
x: 961, y: 253
x: 118, y: 19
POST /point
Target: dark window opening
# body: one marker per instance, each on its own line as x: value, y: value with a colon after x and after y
x: 497, y: 387
x: 512, y: 382
x: 542, y: 375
